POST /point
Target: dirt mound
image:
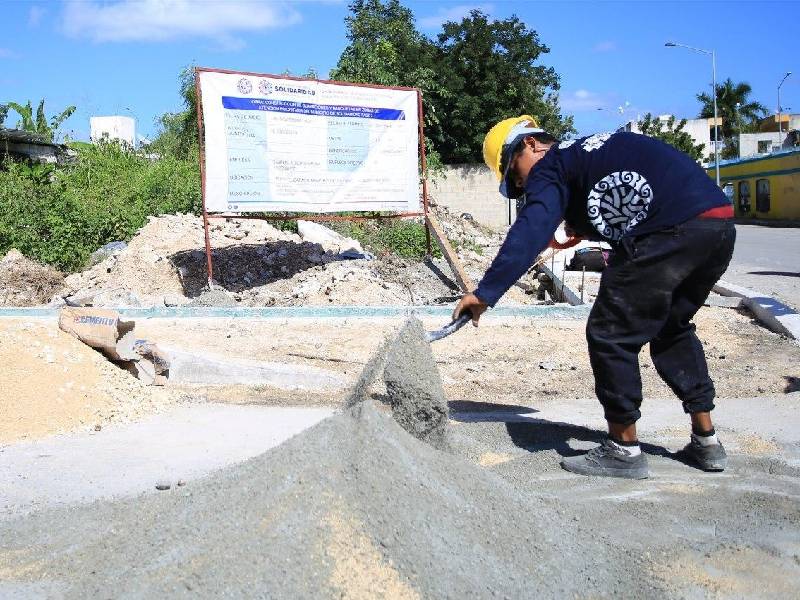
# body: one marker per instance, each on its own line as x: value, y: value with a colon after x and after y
x: 256, y: 264
x: 354, y: 507
x: 24, y: 282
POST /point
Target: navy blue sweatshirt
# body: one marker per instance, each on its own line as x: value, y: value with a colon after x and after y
x: 606, y: 187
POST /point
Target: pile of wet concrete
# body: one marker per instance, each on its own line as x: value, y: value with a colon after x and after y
x: 353, y: 507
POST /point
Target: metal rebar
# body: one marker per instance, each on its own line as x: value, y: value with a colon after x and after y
x: 583, y: 282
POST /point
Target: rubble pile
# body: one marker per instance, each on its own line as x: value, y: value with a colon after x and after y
x: 24, y: 282
x: 257, y: 264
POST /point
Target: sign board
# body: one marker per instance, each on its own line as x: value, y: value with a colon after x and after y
x: 276, y: 144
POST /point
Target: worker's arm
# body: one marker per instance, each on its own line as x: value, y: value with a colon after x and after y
x: 529, y: 235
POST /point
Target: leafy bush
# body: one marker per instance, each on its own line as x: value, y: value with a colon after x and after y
x: 389, y: 236
x: 106, y: 195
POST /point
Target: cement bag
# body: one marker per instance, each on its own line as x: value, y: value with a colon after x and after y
x: 101, y: 329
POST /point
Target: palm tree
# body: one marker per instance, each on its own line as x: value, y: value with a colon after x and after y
x: 738, y: 114
x: 39, y: 123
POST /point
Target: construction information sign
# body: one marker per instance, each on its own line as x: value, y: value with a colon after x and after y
x: 283, y: 145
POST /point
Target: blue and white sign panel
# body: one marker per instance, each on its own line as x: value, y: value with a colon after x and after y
x: 281, y: 145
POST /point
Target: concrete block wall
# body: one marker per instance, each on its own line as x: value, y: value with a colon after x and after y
x: 471, y: 189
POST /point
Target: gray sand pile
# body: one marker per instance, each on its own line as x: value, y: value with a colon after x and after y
x: 374, y: 366
x: 354, y: 507
x: 414, y: 386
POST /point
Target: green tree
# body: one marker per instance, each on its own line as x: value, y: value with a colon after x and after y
x: 490, y: 71
x: 38, y: 123
x: 178, y: 131
x: 739, y: 113
x: 476, y: 73
x: 3, y: 113
x: 385, y: 48
x: 672, y: 133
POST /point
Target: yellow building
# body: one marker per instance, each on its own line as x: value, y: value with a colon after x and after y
x: 764, y: 187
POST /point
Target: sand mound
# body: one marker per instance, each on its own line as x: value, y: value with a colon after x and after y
x: 52, y: 383
x: 354, y: 507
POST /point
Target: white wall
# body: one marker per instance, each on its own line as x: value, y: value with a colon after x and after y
x: 748, y: 142
x: 471, y: 189
x: 699, y: 129
x: 114, y: 127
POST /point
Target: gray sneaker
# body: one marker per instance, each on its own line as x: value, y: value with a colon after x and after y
x: 608, y: 460
x: 708, y: 458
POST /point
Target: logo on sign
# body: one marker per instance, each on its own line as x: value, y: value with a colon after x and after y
x: 294, y: 90
x: 244, y: 86
x: 265, y: 87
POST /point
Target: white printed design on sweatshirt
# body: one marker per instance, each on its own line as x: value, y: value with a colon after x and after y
x: 596, y: 141
x: 566, y: 144
x: 619, y: 202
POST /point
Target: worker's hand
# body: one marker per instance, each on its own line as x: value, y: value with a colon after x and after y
x: 470, y: 302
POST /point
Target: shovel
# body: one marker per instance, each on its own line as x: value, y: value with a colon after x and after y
x: 452, y: 327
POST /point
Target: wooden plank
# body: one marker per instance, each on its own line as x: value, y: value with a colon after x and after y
x: 462, y: 279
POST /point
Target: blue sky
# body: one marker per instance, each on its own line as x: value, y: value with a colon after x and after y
x: 123, y: 57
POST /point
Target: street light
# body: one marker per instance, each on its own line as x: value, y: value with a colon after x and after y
x: 780, y: 140
x: 622, y: 109
x: 714, y: 94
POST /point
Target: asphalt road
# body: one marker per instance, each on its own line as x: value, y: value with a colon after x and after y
x: 767, y: 259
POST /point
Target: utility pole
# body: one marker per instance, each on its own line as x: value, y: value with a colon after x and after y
x: 780, y: 130
x: 714, y: 94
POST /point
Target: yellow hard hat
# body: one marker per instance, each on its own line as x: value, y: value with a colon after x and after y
x: 502, y: 139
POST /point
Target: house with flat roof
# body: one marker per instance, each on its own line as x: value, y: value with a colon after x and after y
x: 701, y: 130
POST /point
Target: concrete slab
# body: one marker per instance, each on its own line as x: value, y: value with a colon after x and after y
x: 124, y: 460
x: 310, y: 312
x: 724, y: 301
x: 203, y: 368
x: 774, y: 315
x: 773, y: 417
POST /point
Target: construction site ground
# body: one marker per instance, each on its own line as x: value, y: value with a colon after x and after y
x: 83, y: 445
x: 268, y: 466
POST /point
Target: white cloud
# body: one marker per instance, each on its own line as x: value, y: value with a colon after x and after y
x: 161, y: 20
x: 583, y: 100
x: 35, y: 15
x: 454, y: 13
x: 605, y: 46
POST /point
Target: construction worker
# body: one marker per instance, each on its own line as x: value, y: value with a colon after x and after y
x: 673, y: 236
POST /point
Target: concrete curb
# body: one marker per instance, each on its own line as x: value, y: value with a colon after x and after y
x: 792, y: 223
x: 774, y: 315
x: 561, y: 291
x: 313, y: 312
